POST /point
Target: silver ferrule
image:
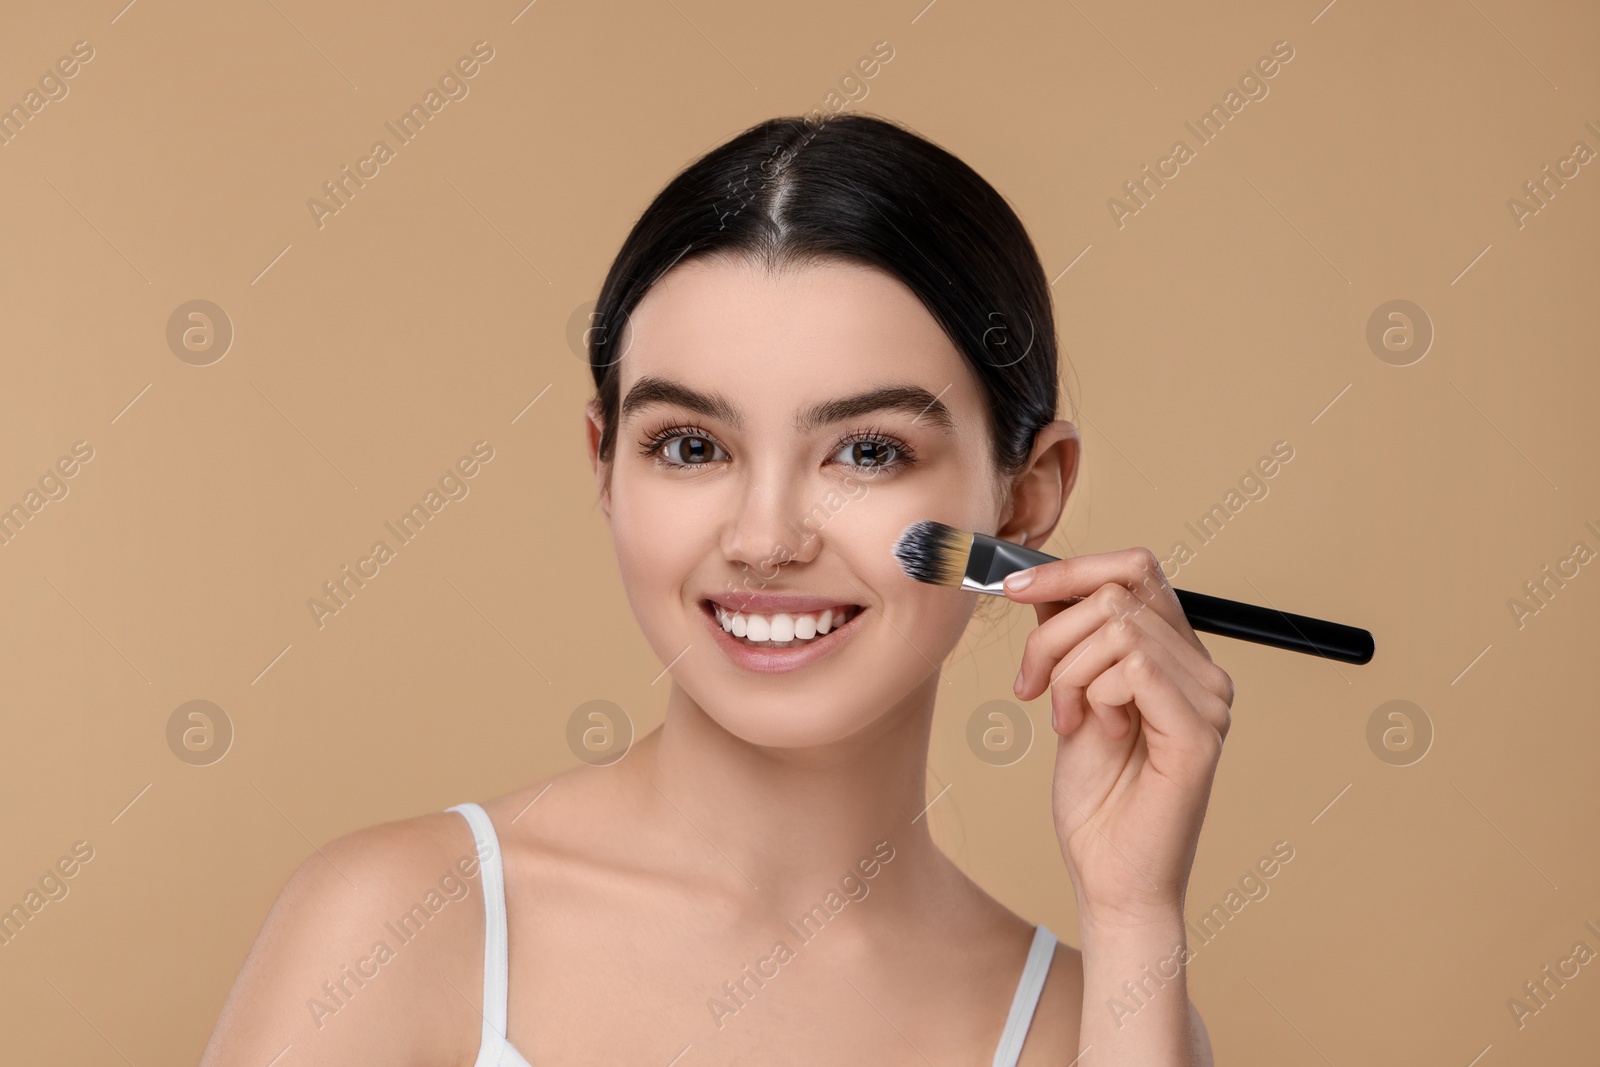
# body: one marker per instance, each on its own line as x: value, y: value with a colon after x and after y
x: 979, y: 587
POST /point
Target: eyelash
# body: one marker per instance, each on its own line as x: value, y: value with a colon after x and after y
x: 905, y: 455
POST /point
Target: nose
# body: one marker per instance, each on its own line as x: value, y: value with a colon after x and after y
x: 770, y: 526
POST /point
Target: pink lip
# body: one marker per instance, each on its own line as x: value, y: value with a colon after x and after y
x: 773, y: 603
x: 779, y: 660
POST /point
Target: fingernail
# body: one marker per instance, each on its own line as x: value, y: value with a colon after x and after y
x: 1016, y: 686
x: 1019, y: 580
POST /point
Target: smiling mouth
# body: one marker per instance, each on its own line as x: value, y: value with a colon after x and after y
x: 796, y: 629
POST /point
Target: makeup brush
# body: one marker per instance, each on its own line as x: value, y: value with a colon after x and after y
x: 943, y: 555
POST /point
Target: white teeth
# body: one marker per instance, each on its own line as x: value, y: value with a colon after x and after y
x: 784, y: 628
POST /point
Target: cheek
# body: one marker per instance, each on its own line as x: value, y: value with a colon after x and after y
x: 661, y: 546
x: 667, y: 546
x: 928, y: 621
x: 869, y: 537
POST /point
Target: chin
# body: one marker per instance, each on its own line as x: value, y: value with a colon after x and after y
x: 791, y: 720
x: 830, y: 701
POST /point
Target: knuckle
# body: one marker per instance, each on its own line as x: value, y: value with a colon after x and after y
x: 1146, y: 567
x: 1222, y: 685
x: 1215, y: 713
x: 1208, y: 743
x: 1114, y: 599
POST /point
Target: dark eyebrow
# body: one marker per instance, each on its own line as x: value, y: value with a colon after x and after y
x: 649, y: 391
x: 911, y: 399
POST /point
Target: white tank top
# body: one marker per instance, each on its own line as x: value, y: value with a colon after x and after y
x: 496, y: 1051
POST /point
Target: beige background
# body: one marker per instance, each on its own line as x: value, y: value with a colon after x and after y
x: 1227, y: 315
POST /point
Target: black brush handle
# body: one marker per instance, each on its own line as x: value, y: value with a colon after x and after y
x: 991, y: 559
x: 1279, y: 629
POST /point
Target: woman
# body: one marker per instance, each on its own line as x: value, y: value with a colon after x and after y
x: 817, y: 334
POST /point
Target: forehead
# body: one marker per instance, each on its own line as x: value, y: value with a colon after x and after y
x: 777, y: 342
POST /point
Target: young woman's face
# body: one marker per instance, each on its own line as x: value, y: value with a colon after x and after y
x: 795, y: 425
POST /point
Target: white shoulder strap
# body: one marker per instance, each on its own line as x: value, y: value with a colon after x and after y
x: 495, y: 949
x: 1026, y: 1000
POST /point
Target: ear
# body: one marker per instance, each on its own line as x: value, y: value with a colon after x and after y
x: 1039, y: 494
x: 593, y: 426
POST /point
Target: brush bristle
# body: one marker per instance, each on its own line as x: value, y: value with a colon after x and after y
x: 933, y: 552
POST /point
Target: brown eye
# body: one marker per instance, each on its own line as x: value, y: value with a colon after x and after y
x: 873, y: 453
x: 682, y: 446
x: 691, y: 450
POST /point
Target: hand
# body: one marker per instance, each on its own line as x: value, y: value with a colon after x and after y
x: 1142, y: 712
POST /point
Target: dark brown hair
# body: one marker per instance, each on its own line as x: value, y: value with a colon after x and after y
x: 864, y: 190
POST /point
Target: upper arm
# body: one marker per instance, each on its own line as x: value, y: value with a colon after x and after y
x: 329, y: 974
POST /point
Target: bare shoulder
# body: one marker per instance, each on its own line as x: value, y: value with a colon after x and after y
x: 1057, y: 1014
x: 372, y: 952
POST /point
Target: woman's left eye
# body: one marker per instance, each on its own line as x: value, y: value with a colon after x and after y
x: 872, y: 453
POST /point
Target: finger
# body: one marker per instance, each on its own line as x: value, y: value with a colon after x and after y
x: 1053, y: 640
x: 1046, y: 610
x: 1115, y: 641
x: 1071, y: 707
x: 1182, y: 745
x: 1116, y: 720
x: 1208, y: 686
x: 1138, y: 569
x: 1072, y: 626
x: 1068, y: 708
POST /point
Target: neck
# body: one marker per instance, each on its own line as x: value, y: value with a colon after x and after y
x: 790, y: 820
